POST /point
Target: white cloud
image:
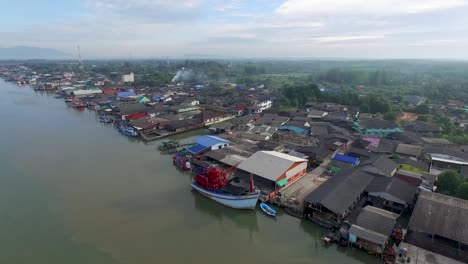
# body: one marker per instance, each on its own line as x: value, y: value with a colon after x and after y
x: 329, y: 39
x: 154, y: 10
x: 364, y: 7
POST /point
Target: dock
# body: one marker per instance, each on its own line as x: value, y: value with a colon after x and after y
x: 292, y: 197
x: 417, y: 255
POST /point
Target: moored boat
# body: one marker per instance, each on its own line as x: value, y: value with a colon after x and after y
x: 128, y: 131
x: 248, y: 201
x: 105, y: 119
x: 211, y: 183
x: 267, y: 209
x: 77, y: 103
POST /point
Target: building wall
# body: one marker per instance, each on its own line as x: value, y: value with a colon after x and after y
x: 219, y: 146
x: 128, y: 77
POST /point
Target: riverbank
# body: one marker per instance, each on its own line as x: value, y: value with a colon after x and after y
x: 122, y: 199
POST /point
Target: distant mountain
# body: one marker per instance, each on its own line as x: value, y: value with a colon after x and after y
x: 32, y: 53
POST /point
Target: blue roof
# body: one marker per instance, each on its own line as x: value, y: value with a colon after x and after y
x: 209, y: 141
x: 125, y: 94
x: 196, y: 149
x: 347, y: 159
x: 295, y: 129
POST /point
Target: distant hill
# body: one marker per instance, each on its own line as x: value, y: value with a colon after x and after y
x: 32, y: 53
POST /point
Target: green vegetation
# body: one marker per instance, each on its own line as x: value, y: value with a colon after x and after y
x: 452, y: 183
x: 407, y: 167
x: 462, y: 191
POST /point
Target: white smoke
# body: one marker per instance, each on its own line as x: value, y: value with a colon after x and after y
x: 182, y: 75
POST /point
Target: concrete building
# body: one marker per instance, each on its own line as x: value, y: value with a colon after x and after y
x: 273, y: 170
x: 128, y: 78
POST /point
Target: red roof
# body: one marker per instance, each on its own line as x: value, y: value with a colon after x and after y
x: 110, y: 91
x: 135, y: 116
x: 241, y: 107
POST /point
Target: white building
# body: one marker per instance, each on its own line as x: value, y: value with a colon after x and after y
x: 86, y: 92
x: 127, y: 78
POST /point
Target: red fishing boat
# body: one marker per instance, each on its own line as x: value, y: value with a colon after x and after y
x: 211, y: 184
x: 77, y: 103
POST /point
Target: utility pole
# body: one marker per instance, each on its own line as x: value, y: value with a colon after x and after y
x: 79, y: 57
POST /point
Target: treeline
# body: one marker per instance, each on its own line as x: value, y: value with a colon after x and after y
x: 298, y: 95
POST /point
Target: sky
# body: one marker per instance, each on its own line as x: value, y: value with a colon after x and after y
x: 240, y: 28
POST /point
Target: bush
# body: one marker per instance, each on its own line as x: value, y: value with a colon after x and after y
x: 448, y: 182
x: 462, y: 191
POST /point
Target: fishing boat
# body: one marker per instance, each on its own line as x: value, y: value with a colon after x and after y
x: 68, y: 99
x: 211, y: 183
x: 267, y: 209
x: 181, y: 160
x: 128, y: 131
x: 167, y: 145
x: 77, y: 103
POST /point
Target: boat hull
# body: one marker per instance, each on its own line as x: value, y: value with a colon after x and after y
x: 233, y: 201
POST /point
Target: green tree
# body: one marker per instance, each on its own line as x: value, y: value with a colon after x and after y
x: 422, y: 109
x: 448, y: 182
x: 462, y: 191
x: 390, y: 116
x: 423, y: 118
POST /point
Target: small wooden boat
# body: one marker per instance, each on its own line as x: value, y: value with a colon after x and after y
x: 267, y: 209
x: 327, y: 240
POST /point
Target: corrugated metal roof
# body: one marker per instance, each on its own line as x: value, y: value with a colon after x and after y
x: 377, y: 220
x: 442, y: 215
x: 397, y: 189
x: 369, y: 235
x: 338, y: 193
x: 197, y: 148
x: 269, y: 164
x: 209, y: 141
x: 408, y: 149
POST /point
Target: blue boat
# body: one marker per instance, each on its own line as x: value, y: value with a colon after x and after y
x: 128, y: 131
x: 267, y: 209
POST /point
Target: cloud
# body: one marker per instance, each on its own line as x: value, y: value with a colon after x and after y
x: 329, y: 39
x: 365, y: 7
x: 155, y: 10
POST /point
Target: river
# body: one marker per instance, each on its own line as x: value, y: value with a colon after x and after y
x: 73, y: 190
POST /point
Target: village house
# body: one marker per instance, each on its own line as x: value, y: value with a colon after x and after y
x: 392, y: 194
x: 424, y: 128
x: 205, y: 143
x: 333, y: 200
x: 375, y: 127
x: 273, y: 171
x: 372, y: 229
x: 439, y: 224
